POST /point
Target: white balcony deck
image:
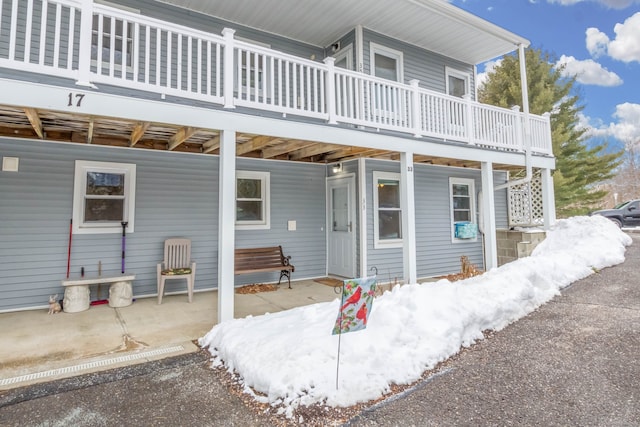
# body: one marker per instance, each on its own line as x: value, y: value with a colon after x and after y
x: 96, y: 44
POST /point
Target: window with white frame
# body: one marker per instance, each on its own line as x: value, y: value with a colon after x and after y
x: 387, y: 215
x: 252, y: 200
x: 386, y: 62
x: 104, y: 197
x: 463, y: 202
x: 458, y: 83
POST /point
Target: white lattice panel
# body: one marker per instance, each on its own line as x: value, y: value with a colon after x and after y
x: 525, y: 203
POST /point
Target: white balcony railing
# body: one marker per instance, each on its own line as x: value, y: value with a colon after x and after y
x: 95, y: 43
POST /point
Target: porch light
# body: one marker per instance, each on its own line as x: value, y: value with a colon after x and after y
x: 337, y: 168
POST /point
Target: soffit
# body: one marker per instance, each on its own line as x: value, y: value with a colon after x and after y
x: 431, y: 24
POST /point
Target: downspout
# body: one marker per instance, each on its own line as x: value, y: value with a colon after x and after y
x: 527, y: 126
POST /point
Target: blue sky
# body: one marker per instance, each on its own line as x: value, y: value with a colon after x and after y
x: 598, y: 40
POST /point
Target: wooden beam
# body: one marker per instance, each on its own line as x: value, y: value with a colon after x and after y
x: 285, y: 147
x: 211, y: 145
x: 255, y: 143
x: 90, y: 131
x: 313, y: 150
x: 137, y: 133
x: 367, y: 153
x: 348, y: 151
x: 181, y: 136
x: 34, y: 119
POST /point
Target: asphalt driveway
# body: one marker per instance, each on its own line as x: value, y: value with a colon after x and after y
x: 572, y: 362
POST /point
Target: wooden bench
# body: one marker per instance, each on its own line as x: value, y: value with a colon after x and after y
x: 76, y: 293
x: 258, y: 260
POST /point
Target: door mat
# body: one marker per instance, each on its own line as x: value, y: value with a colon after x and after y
x: 255, y: 288
x: 329, y: 281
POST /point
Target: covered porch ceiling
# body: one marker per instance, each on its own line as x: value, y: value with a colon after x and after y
x: 435, y: 25
x: 49, y: 125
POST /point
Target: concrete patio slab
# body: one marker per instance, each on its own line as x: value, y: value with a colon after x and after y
x: 38, y: 347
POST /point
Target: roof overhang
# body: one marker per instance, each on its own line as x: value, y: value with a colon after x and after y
x: 434, y: 25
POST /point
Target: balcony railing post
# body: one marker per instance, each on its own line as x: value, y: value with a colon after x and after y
x: 519, y: 128
x: 330, y: 87
x: 549, y: 140
x: 469, y: 122
x: 85, y: 41
x: 228, y: 80
x: 415, y: 113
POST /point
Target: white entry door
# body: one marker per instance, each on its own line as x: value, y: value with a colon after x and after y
x: 341, y: 226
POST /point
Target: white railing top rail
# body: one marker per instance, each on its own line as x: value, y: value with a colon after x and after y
x: 112, y: 12
x: 266, y: 51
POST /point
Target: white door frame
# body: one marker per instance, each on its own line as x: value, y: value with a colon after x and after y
x: 350, y: 177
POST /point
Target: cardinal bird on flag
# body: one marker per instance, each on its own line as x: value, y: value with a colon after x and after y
x: 353, y: 299
x: 357, y: 298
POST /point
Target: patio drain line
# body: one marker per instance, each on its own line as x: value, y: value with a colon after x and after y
x: 90, y: 365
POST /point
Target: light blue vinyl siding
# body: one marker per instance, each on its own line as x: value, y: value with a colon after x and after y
x: 176, y: 196
x: 435, y: 252
x: 426, y: 66
x: 298, y: 194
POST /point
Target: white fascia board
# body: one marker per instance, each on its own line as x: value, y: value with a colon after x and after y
x: 41, y: 96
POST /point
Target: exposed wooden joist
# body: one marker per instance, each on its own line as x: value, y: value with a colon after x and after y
x: 313, y: 150
x: 369, y: 153
x: 285, y: 147
x: 181, y: 136
x: 255, y: 143
x: 35, y: 121
x: 90, y: 132
x: 347, y: 151
x: 138, y: 132
x: 211, y: 145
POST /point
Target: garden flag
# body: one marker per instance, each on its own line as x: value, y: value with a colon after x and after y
x: 357, y: 297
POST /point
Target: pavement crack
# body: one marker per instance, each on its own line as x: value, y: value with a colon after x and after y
x: 128, y: 343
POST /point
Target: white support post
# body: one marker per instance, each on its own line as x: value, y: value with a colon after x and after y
x: 84, y: 52
x: 548, y: 199
x: 362, y: 208
x: 415, y: 108
x: 226, y: 224
x: 330, y: 88
x: 228, y: 80
x: 489, y: 217
x: 407, y: 202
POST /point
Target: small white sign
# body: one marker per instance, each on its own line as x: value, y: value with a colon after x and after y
x: 291, y: 226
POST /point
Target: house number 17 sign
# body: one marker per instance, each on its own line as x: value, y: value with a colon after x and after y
x: 75, y: 99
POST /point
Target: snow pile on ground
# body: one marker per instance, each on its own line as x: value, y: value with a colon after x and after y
x: 290, y: 358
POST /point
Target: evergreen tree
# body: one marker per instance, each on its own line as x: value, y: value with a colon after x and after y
x: 578, y: 167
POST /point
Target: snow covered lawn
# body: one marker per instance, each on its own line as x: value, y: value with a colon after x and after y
x: 289, y: 358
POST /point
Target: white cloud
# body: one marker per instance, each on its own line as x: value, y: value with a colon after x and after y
x: 488, y: 68
x: 624, y: 47
x: 626, y: 128
x: 597, y: 42
x: 588, y: 72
